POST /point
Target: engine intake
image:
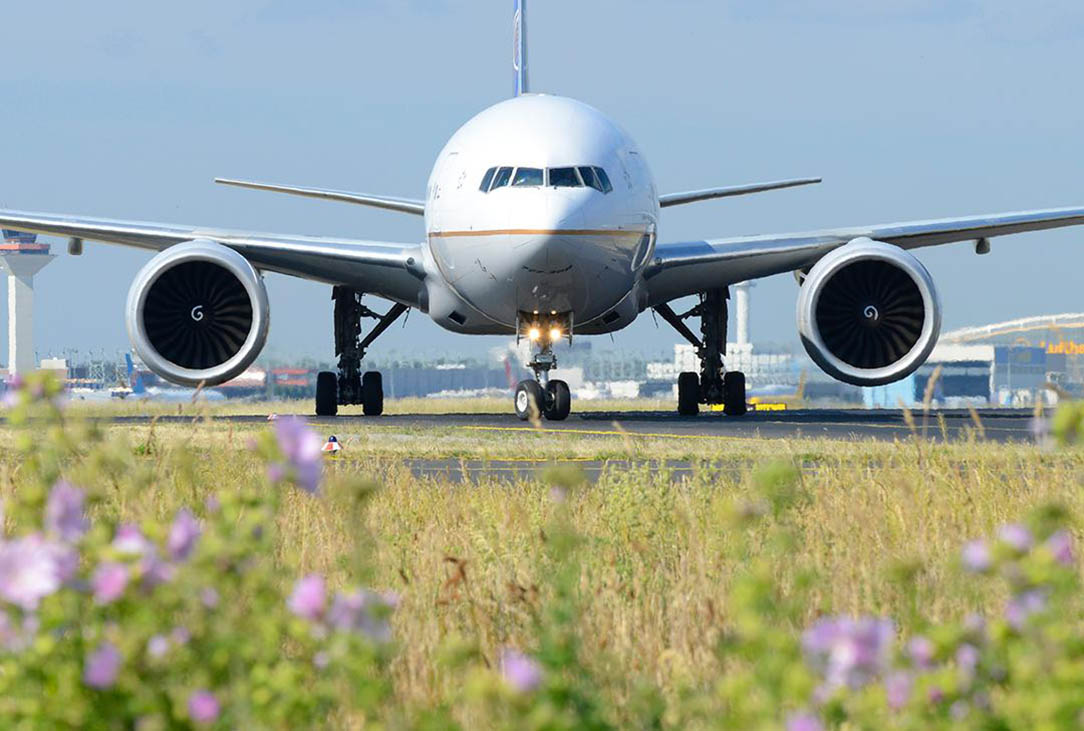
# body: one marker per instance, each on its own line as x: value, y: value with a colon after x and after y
x: 868, y: 313
x: 198, y: 313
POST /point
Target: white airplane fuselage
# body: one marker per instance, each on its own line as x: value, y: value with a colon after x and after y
x: 573, y: 252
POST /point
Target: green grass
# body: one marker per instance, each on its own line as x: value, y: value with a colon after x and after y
x: 656, y: 575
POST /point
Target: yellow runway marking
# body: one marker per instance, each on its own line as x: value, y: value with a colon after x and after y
x: 602, y: 433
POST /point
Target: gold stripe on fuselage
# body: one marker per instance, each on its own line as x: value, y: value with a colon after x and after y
x: 535, y: 232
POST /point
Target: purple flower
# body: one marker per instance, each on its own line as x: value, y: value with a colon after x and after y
x: 935, y: 694
x: 157, y: 646
x: 804, y: 722
x: 848, y: 652
x: 180, y: 635
x: 519, y: 670
x: 129, y: 540
x: 976, y: 556
x: 1022, y: 606
x: 1015, y: 536
x: 102, y: 666
x: 364, y: 612
x: 301, y: 447
x: 309, y: 597
x: 921, y: 651
x: 321, y: 660
x: 109, y: 582
x: 64, y: 512
x: 203, y: 707
x: 209, y: 597
x: 898, y: 687
x: 1061, y: 545
x: 967, y: 659
x: 31, y: 569
x: 959, y: 710
x: 183, y: 535
x: 14, y: 638
x: 154, y: 570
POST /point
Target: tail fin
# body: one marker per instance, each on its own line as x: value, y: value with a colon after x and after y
x: 519, y: 47
x: 135, y: 381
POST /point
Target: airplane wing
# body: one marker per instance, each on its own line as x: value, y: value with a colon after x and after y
x: 684, y: 268
x: 403, y: 205
x: 390, y: 270
x: 693, y: 196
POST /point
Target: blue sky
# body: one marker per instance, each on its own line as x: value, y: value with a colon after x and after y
x: 909, y: 109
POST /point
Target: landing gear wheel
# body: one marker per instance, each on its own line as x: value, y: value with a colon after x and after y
x: 529, y: 398
x: 734, y: 394
x: 688, y: 394
x: 559, y: 403
x: 327, y: 394
x: 372, y: 393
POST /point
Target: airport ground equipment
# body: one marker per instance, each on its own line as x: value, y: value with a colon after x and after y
x: 539, y: 204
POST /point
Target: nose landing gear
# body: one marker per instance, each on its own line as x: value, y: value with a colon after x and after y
x: 350, y: 386
x: 713, y: 384
x: 542, y: 396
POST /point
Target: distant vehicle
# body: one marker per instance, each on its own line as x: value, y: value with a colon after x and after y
x: 541, y: 218
x: 139, y: 391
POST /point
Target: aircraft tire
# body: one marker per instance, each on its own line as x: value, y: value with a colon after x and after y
x: 688, y: 394
x: 327, y: 394
x: 559, y: 403
x: 372, y: 393
x: 527, y: 393
x: 734, y: 394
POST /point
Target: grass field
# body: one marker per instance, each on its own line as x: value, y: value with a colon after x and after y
x: 879, y: 526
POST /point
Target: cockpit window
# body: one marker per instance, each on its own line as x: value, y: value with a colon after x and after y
x: 502, y: 178
x: 590, y: 179
x: 527, y: 177
x: 604, y: 180
x: 484, y: 187
x: 565, y: 178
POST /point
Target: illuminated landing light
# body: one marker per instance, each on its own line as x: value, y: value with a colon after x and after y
x: 555, y: 334
x: 534, y: 334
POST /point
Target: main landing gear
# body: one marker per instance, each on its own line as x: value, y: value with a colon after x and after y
x: 713, y: 385
x: 350, y: 386
x: 541, y: 396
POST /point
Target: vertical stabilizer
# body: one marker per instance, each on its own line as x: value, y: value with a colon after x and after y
x: 519, y: 47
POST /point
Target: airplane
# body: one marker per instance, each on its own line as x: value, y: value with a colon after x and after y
x: 541, y: 221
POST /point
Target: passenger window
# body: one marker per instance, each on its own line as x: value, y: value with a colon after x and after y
x: 484, y: 187
x: 504, y: 175
x: 590, y: 179
x: 565, y: 178
x: 604, y: 179
x: 527, y: 177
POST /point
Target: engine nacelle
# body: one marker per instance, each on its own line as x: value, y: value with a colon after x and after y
x: 198, y: 313
x: 868, y: 313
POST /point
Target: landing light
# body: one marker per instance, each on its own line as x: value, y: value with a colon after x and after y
x: 555, y: 334
x: 534, y: 333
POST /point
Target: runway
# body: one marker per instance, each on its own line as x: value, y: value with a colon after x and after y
x: 1000, y: 425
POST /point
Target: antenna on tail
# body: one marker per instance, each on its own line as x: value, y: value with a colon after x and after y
x: 519, y: 47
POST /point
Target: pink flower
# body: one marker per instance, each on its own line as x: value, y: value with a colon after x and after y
x: 1061, y: 545
x: 898, y: 687
x: 519, y: 671
x: 1021, y: 607
x: 301, y: 447
x: 64, y: 512
x: 157, y: 646
x: 1016, y: 536
x: 804, y: 722
x: 364, y: 612
x: 848, y: 652
x: 921, y: 651
x: 31, y: 569
x: 183, y: 535
x: 130, y: 540
x: 109, y: 582
x: 203, y: 707
x: 102, y: 666
x: 309, y: 598
x: 976, y: 556
x: 209, y: 597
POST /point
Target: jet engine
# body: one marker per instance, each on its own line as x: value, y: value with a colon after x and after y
x: 198, y: 313
x: 868, y: 313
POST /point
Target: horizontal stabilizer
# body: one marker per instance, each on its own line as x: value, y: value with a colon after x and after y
x: 692, y: 196
x: 403, y: 205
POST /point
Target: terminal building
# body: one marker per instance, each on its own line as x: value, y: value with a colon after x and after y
x: 1010, y: 364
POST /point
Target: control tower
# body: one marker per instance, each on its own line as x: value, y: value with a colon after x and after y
x: 21, y: 256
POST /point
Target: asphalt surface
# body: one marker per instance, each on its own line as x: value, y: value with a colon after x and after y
x: 999, y: 425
